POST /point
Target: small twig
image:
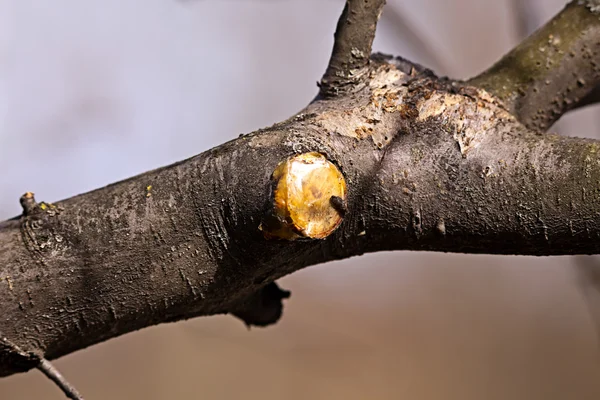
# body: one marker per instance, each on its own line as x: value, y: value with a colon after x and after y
x: 354, y: 36
x: 550, y: 71
x: 52, y: 373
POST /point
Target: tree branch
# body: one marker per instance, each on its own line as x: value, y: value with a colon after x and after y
x: 55, y: 376
x: 354, y: 36
x: 404, y: 161
x: 26, y: 360
x: 551, y: 71
x: 429, y: 165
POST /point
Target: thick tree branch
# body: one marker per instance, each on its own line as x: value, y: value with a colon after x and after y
x: 352, y: 47
x: 429, y: 165
x: 418, y: 162
x: 551, y: 71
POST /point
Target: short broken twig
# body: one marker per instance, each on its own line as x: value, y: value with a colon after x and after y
x: 53, y: 374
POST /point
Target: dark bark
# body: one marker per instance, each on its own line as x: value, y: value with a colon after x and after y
x: 429, y: 164
x: 354, y: 36
x: 591, y: 98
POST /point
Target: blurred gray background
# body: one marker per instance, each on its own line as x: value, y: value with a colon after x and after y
x: 94, y: 92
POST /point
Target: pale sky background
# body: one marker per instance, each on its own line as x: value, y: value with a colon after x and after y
x: 94, y: 92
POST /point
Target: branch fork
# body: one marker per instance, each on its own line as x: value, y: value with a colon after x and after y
x: 429, y: 163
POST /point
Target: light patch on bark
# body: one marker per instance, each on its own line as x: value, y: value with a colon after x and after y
x: 469, y: 118
x: 592, y: 5
x: 371, y: 119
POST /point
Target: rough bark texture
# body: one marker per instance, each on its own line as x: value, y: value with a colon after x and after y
x: 430, y: 164
x: 354, y: 36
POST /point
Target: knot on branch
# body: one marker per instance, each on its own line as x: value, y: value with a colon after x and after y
x: 262, y: 308
x: 31, y: 207
x: 28, y: 203
x: 34, y: 226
